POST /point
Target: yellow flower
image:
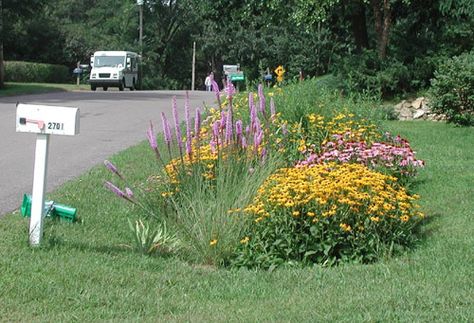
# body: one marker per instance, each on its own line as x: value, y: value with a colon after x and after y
x: 404, y: 218
x: 374, y: 219
x: 311, y: 213
x: 296, y: 213
x: 245, y: 240
x: 213, y: 242
x: 345, y: 227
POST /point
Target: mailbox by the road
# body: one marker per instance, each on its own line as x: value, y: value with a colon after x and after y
x: 44, y: 121
x: 47, y: 119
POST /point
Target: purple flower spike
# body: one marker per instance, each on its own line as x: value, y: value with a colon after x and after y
x: 229, y: 127
x: 244, y: 142
x: 111, y: 167
x: 188, y: 126
x: 129, y: 192
x: 264, y: 154
x: 117, y: 191
x: 215, y: 131
x: 166, y: 130
x: 272, y: 109
x: 197, y: 123
x: 176, y: 125
x: 230, y: 89
x: 151, y: 137
x: 261, y: 97
x: 238, y: 131
x: 152, y: 140
x: 215, y: 87
x: 251, y: 102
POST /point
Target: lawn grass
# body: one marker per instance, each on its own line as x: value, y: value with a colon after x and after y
x: 83, y: 271
x: 16, y: 88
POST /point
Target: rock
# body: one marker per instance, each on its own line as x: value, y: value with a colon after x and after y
x: 418, y: 114
x: 405, y: 113
x: 417, y: 104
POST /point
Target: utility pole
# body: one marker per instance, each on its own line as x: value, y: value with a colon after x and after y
x: 2, y: 67
x: 194, y: 67
x: 140, y: 5
x: 140, y: 43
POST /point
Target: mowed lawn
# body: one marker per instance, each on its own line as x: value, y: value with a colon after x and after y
x: 85, y: 272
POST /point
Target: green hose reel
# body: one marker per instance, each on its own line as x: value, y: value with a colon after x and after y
x: 51, y: 209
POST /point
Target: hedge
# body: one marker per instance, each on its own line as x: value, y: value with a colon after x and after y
x: 17, y: 71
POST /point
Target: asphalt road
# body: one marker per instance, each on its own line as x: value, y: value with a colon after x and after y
x: 110, y: 122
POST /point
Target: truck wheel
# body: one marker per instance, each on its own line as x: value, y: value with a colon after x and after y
x: 121, y: 85
x: 105, y: 88
x: 93, y: 88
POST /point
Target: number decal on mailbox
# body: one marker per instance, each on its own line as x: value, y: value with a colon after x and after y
x: 55, y: 126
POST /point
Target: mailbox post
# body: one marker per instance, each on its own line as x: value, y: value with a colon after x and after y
x: 44, y: 121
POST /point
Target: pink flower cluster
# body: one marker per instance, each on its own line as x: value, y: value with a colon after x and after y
x: 396, y: 156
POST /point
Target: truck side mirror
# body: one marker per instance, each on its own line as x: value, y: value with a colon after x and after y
x: 129, y: 64
x: 92, y: 61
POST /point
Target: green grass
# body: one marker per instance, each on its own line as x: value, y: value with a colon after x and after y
x: 83, y: 272
x: 14, y: 88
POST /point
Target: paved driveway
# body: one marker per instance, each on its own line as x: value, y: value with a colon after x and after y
x: 110, y: 122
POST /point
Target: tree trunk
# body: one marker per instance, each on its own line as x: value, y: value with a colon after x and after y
x: 2, y: 68
x: 383, y: 22
x: 358, y: 24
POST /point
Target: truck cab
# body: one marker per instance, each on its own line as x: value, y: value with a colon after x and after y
x: 114, y: 69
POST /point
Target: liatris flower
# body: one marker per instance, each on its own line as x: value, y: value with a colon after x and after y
x: 177, y: 129
x: 251, y: 102
x: 152, y: 140
x: 213, y: 145
x: 117, y: 191
x: 253, y: 117
x: 258, y: 137
x: 166, y: 132
x: 261, y: 97
x: 263, y: 155
x: 197, y: 123
x: 238, y: 131
x: 215, y: 129
x: 230, y: 89
x: 129, y: 192
x: 166, y: 129
x: 228, y: 127
x: 111, y: 167
x: 215, y: 89
x: 244, y: 142
x: 188, y: 126
x: 272, y: 109
x: 151, y: 137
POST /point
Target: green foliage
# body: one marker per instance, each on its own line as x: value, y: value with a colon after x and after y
x: 327, y: 214
x: 36, y: 72
x: 368, y: 73
x: 152, y: 241
x: 453, y: 89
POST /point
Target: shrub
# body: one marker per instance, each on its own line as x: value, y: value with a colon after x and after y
x: 16, y: 71
x: 368, y: 73
x: 327, y: 214
x: 452, y: 90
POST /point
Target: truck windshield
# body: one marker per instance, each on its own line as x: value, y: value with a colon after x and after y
x: 110, y: 61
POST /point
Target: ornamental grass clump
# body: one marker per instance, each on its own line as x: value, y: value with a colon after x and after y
x: 217, y: 173
x: 326, y: 214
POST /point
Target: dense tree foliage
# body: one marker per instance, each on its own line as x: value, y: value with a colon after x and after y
x: 382, y: 46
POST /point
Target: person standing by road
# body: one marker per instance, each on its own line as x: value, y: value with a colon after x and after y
x: 208, y: 82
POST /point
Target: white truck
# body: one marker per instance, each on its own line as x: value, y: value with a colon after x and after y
x: 114, y: 69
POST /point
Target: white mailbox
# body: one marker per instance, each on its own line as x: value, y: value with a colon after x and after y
x: 47, y: 119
